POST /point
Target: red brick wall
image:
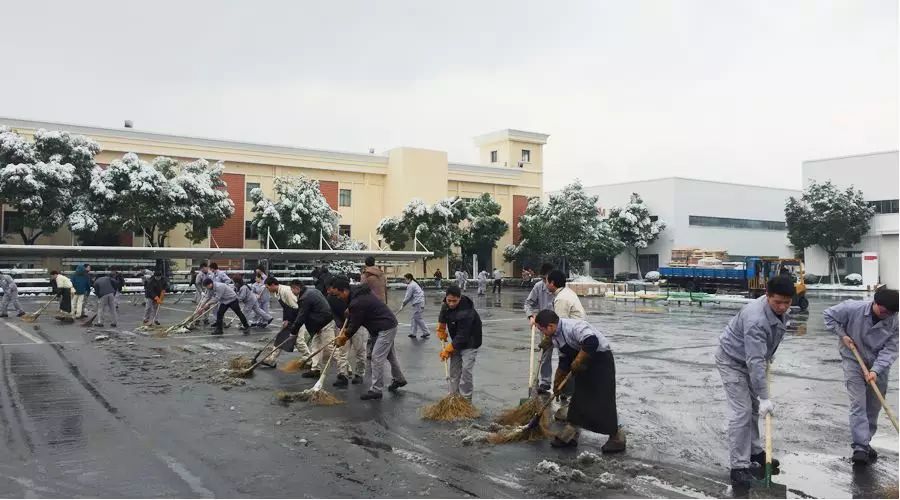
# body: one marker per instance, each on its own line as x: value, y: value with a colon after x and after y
x: 329, y: 190
x: 520, y: 203
x: 231, y: 234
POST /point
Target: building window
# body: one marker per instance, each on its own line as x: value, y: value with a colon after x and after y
x: 344, y: 198
x: 493, y: 157
x: 250, y: 187
x: 13, y: 222
x: 649, y: 262
x: 344, y: 230
x: 250, y: 231
x: 767, y: 225
x: 885, y: 206
x: 526, y: 155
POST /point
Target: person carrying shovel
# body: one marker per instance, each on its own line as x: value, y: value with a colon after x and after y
x: 585, y: 352
x: 746, y: 346
x: 459, y: 325
x: 868, y: 329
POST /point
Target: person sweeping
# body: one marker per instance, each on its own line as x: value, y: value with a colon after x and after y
x: 351, y: 358
x: 585, y: 352
x: 81, y: 284
x: 482, y: 281
x: 746, y: 346
x: 313, y: 313
x: 867, y: 328
x: 287, y: 298
x: 105, y: 288
x: 262, y: 293
x: 154, y: 290
x: 249, y: 300
x: 225, y: 299
x: 566, y: 305
x: 416, y: 297
x: 366, y: 310
x: 62, y: 287
x: 460, y: 328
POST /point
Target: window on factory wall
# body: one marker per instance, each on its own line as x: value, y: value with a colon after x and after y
x: 345, y: 197
x: 344, y: 230
x: 526, y: 155
x: 250, y: 187
x: 885, y: 206
x: 12, y: 222
x: 766, y: 225
x: 493, y: 157
x: 250, y: 231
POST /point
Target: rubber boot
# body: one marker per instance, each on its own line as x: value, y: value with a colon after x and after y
x: 616, y: 442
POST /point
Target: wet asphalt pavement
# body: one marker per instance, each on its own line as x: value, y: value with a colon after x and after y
x: 137, y: 416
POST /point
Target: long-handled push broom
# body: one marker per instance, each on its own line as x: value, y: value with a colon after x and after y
x: 316, y: 394
x: 874, y: 386
x: 32, y: 317
x: 527, y: 406
x: 246, y: 372
x: 536, y: 426
x: 451, y: 407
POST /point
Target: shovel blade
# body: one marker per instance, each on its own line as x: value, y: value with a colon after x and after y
x: 772, y: 490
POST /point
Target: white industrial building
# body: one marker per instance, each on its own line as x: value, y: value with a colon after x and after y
x: 744, y: 220
x: 877, y: 175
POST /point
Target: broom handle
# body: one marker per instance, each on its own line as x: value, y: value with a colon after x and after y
x: 887, y: 409
x: 531, y: 362
x: 308, y: 358
x: 321, y: 381
x: 273, y: 349
x: 768, y: 432
x: 41, y: 309
x: 556, y: 393
x: 446, y: 368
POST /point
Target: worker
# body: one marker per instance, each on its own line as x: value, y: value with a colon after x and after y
x: 259, y: 288
x: 527, y: 275
x: 314, y: 314
x: 498, y: 281
x: 289, y: 310
x: 585, y: 353
x: 10, y: 296
x: 460, y: 278
x: 538, y: 300
x: 105, y: 288
x: 352, y: 356
x: 81, y: 284
x: 226, y: 299
x: 416, y: 297
x: 438, y: 278
x: 219, y: 276
x: 154, y: 290
x: 566, y: 305
x: 746, y: 346
x: 459, y: 325
x: 201, y: 275
x: 366, y: 310
x: 465, y: 277
x: 249, y: 300
x: 62, y: 287
x: 483, y: 277
x: 870, y: 326
x: 374, y: 277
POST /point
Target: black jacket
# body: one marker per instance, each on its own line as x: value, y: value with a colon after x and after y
x: 313, y: 311
x: 322, y: 281
x: 463, y: 324
x: 154, y: 286
x: 367, y: 310
x: 338, y: 308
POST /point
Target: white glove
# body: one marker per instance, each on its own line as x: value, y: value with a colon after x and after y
x: 766, y: 406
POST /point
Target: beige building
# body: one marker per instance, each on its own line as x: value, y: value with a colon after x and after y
x: 363, y: 188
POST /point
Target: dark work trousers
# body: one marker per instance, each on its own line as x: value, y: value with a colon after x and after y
x: 233, y: 305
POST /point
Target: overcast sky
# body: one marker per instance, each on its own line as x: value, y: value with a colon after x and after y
x: 739, y: 91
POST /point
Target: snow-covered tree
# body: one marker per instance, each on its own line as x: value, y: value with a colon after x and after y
x: 298, y: 217
x: 631, y: 224
x: 828, y: 217
x: 436, y: 227
x: 483, y: 229
x: 566, y: 228
x: 207, y: 204
x: 46, y: 180
x: 346, y: 267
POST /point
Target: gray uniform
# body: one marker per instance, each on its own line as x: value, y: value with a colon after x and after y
x: 877, y: 345
x: 10, y: 294
x: 482, y: 282
x: 539, y: 299
x: 416, y: 297
x: 249, y: 302
x: 106, y: 294
x: 746, y: 345
x: 219, y: 276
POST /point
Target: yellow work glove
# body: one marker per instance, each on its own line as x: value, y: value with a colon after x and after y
x: 557, y: 380
x: 341, y: 340
x: 442, y: 332
x: 580, y: 361
x: 447, y: 352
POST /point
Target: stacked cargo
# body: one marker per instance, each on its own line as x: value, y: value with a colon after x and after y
x: 692, y: 256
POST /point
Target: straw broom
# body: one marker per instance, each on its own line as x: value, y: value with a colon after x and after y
x: 315, y: 395
x: 295, y: 365
x: 523, y: 413
x: 452, y: 407
x: 536, y: 428
x: 246, y: 372
x: 32, y: 317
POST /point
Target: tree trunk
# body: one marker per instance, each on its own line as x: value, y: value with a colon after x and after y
x: 29, y: 241
x: 425, y: 267
x: 637, y: 261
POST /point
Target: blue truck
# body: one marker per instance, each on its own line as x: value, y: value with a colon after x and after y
x: 751, y: 279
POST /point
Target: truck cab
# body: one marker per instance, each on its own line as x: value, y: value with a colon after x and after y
x: 761, y: 269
